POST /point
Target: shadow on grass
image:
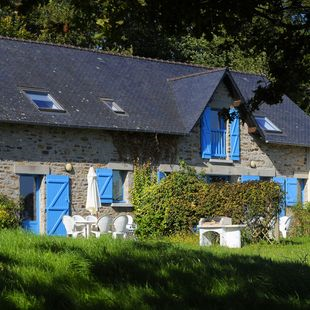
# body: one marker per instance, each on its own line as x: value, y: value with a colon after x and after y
x: 128, y: 275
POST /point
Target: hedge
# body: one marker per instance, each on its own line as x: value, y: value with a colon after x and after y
x: 176, y: 203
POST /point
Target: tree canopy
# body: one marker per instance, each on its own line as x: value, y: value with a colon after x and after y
x: 261, y: 36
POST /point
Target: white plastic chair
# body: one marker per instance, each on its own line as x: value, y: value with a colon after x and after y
x: 119, y: 225
x: 284, y: 225
x: 131, y: 226
x: 71, y: 230
x: 104, y: 224
x: 94, y: 227
x: 77, y: 217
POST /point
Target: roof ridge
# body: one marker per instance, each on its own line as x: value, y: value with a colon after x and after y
x: 211, y: 70
x: 248, y: 73
x: 103, y: 52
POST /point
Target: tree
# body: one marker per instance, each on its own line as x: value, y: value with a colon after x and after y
x: 278, y: 29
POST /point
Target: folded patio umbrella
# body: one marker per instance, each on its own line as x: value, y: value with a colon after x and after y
x: 93, y: 199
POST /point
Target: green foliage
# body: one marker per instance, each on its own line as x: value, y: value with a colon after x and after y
x: 44, y: 272
x: 9, y: 213
x: 144, y: 176
x: 176, y: 204
x: 219, y: 51
x: 13, y: 25
x: 301, y: 220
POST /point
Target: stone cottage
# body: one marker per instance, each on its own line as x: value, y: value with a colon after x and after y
x: 64, y: 109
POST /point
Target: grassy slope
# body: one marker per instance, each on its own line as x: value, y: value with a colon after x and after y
x: 59, y: 273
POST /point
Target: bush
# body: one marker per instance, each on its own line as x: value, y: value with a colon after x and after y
x: 9, y: 212
x: 301, y: 220
x: 176, y: 204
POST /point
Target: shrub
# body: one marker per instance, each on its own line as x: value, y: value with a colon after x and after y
x: 176, y: 204
x: 301, y: 220
x: 9, y: 212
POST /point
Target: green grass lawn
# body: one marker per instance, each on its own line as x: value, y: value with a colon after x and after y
x: 60, y: 273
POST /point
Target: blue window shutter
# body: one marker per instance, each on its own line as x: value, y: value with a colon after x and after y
x: 303, y: 185
x: 205, y: 133
x: 160, y: 175
x: 247, y: 178
x: 291, y: 191
x: 105, y: 184
x: 235, y: 137
x: 281, y: 181
x: 57, y: 203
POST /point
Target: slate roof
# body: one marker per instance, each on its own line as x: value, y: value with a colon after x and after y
x: 287, y: 116
x: 78, y: 78
x: 157, y: 96
x: 193, y: 92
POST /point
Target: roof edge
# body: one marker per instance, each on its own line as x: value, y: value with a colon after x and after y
x: 135, y: 130
x: 209, y: 71
x: 100, y: 52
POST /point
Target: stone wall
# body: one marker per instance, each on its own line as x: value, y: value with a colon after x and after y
x: 22, y: 145
x: 286, y: 160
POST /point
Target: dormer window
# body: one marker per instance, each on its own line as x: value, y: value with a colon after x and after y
x: 266, y: 124
x: 113, y: 106
x: 213, y: 134
x: 43, y: 101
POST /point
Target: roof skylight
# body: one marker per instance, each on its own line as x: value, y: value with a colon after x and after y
x: 266, y: 124
x: 43, y: 100
x: 113, y: 106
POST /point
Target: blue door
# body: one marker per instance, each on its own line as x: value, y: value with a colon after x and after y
x: 30, y: 194
x: 57, y: 203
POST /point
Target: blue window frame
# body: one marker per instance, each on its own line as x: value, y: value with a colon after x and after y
x: 43, y: 101
x: 218, y: 135
x: 213, y: 135
x: 119, y: 177
x: 30, y: 194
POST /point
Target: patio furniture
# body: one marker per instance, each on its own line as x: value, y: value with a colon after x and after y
x: 70, y: 227
x: 284, y: 225
x: 119, y: 225
x: 94, y: 227
x: 230, y: 235
x: 80, y: 221
x: 104, y: 224
x: 131, y: 226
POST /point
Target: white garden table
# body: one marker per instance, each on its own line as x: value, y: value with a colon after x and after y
x: 87, y: 223
x: 230, y: 235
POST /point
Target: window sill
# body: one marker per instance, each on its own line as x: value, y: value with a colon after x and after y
x: 121, y: 205
x: 221, y: 161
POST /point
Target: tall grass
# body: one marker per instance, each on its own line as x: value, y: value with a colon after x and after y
x: 38, y: 272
